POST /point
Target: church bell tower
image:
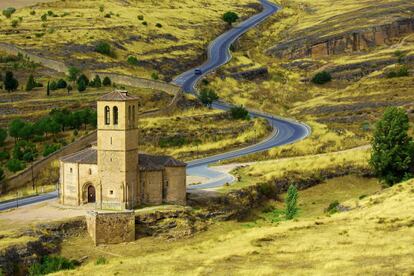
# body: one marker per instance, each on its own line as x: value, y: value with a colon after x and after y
x: 117, y: 151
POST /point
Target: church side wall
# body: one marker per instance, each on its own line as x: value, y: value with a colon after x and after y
x: 88, y: 174
x: 152, y: 183
x: 70, y: 184
x: 177, y: 186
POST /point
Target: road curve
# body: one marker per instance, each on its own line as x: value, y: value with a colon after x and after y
x: 285, y: 131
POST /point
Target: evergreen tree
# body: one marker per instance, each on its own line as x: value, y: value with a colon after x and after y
x: 392, y: 148
x: 31, y: 83
x: 3, y: 136
x: 61, y: 84
x: 107, y: 81
x: 291, y: 202
x: 48, y: 89
x: 81, y: 85
x: 208, y: 96
x: 96, y: 82
x: 10, y: 83
x: 230, y: 17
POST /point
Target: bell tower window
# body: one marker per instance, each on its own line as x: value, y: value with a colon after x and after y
x: 107, y: 115
x: 133, y: 115
x: 129, y: 116
x: 115, y: 113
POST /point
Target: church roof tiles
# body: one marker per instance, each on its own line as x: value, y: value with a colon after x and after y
x: 118, y: 95
x: 146, y: 162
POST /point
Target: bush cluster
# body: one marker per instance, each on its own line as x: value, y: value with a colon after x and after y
x: 322, y: 78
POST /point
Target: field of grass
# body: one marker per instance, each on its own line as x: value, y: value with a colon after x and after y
x: 195, y: 133
x: 376, y: 236
x: 166, y: 33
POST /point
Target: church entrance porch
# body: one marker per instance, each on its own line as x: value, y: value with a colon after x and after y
x: 88, y: 193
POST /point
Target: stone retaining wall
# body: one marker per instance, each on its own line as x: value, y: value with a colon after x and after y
x: 111, y: 228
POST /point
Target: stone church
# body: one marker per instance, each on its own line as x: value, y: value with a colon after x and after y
x: 113, y: 174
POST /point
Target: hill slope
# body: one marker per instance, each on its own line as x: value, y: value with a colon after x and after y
x: 376, y: 236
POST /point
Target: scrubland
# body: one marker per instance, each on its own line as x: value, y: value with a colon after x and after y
x: 157, y: 34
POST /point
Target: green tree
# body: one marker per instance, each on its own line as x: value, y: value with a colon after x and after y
x: 48, y: 89
x: 10, y: 83
x: 8, y: 12
x: 31, y: 83
x: 53, y: 85
x: 239, y: 113
x: 230, y: 17
x: 61, y: 84
x: 291, y: 202
x: 3, y: 136
x: 107, y: 81
x: 24, y: 150
x: 96, y: 82
x: 322, y: 78
x: 208, y: 96
x: 73, y: 73
x: 392, y: 148
x: 2, y: 176
x: 15, y: 165
x: 81, y: 85
x: 155, y: 76
x: 14, y: 128
x: 84, y: 78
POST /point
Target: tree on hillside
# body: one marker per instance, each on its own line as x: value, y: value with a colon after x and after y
x: 61, y: 84
x: 48, y: 89
x: 14, y: 128
x: 7, y: 12
x: 69, y: 88
x: 15, y: 165
x: 3, y: 136
x: 230, y: 17
x: 291, y: 202
x: 107, y: 81
x: 31, y: 83
x: 392, y: 148
x: 81, y: 85
x: 10, y: 83
x: 208, y: 96
x: 2, y: 176
x: 96, y: 82
x: 73, y: 73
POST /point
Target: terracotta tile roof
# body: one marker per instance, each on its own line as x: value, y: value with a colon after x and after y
x: 118, y: 95
x: 146, y: 162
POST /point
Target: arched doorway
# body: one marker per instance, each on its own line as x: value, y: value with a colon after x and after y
x: 91, y: 194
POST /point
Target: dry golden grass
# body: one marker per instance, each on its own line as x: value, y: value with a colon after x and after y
x: 375, y: 237
x: 187, y: 27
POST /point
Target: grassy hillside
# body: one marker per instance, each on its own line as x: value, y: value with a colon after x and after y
x: 375, y: 236
x: 157, y: 34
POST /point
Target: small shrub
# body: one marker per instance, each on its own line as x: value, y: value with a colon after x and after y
x: 239, y: 113
x: 4, y: 155
x: 154, y: 76
x: 322, y: 78
x: 103, y: 48
x: 268, y: 190
x: 53, y: 85
x: 333, y: 207
x: 44, y: 17
x: 176, y: 141
x: 133, y: 60
x: 101, y: 261
x: 50, y: 264
x: 140, y: 17
x: 158, y: 25
x: 145, y: 23
x: 101, y: 8
x: 108, y: 15
x: 8, y: 12
x: 400, y: 71
x: 15, y: 23
x: 32, y: 12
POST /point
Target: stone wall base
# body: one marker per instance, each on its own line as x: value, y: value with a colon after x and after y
x: 111, y: 228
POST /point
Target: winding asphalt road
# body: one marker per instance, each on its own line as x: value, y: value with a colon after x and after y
x: 285, y: 131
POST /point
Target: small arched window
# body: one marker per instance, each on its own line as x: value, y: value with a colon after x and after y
x: 107, y: 115
x: 115, y: 111
x: 90, y: 171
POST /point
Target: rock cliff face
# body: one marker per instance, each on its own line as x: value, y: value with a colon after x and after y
x: 354, y: 41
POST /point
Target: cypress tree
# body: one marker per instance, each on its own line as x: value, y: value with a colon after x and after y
x: 291, y: 202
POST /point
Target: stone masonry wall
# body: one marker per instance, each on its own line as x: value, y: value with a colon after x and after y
x: 111, y: 228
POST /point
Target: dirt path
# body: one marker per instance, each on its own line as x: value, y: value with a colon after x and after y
x: 20, y: 3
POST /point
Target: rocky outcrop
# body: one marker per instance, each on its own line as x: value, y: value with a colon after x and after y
x: 353, y: 41
x: 252, y: 74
